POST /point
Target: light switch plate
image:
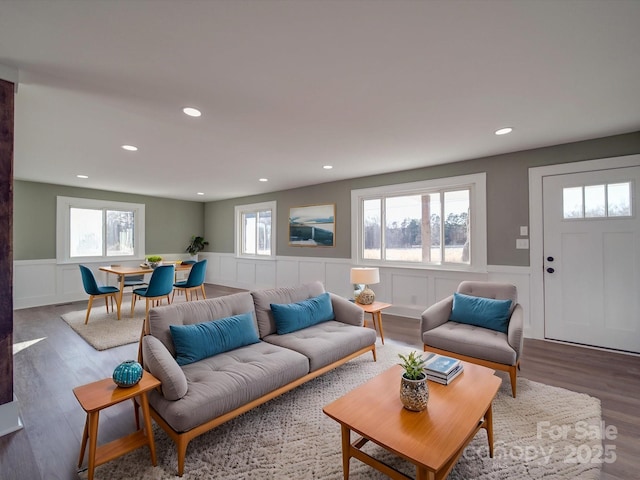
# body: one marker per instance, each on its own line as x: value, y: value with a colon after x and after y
x: 524, y: 231
x: 522, y: 243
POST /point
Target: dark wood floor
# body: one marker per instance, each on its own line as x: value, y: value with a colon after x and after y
x: 51, y: 360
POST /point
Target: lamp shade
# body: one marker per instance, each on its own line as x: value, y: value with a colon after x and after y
x: 365, y: 275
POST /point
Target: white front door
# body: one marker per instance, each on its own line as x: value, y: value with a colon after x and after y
x: 592, y: 258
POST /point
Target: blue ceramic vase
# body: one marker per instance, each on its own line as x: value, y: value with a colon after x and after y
x: 127, y: 374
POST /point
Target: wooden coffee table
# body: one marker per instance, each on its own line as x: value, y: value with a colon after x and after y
x: 432, y: 439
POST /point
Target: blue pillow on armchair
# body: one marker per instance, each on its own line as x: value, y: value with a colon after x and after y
x: 481, y: 312
x: 290, y: 317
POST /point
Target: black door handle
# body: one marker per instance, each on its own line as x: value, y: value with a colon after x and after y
x: 550, y: 270
x: 550, y: 259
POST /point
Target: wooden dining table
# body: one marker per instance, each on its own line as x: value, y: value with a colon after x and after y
x: 122, y: 272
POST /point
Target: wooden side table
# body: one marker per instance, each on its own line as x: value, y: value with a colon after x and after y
x: 375, y: 309
x: 99, y: 395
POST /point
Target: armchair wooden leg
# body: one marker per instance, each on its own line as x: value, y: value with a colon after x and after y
x: 204, y: 295
x: 513, y: 375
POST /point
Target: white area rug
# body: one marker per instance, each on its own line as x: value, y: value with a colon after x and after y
x: 290, y: 438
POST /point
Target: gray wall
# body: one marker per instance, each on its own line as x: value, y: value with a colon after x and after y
x: 169, y: 223
x: 507, y: 198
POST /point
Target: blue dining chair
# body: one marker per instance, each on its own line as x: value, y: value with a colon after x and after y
x: 160, y: 286
x: 195, y: 281
x: 96, y: 291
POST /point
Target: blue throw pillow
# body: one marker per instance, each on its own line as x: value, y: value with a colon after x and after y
x: 290, y: 317
x: 202, y: 340
x: 481, y: 312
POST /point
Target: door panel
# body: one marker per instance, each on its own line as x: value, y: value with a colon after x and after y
x: 592, y: 259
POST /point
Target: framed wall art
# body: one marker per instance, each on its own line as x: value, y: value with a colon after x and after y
x: 313, y: 226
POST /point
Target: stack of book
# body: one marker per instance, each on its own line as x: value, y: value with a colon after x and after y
x: 442, y: 369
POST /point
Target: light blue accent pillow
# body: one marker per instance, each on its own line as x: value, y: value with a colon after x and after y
x: 481, y: 312
x: 290, y: 317
x: 203, y: 340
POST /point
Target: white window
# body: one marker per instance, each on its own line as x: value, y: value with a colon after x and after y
x: 95, y: 230
x: 597, y: 201
x: 255, y: 236
x: 435, y: 223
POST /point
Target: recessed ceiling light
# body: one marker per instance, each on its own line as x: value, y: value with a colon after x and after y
x: 82, y: 176
x: 130, y: 148
x: 192, y: 112
x: 504, y: 131
x: 263, y: 180
x: 200, y: 193
x: 327, y: 167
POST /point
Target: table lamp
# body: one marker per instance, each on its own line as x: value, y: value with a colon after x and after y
x: 365, y: 276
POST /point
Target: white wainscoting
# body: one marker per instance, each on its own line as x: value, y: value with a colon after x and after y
x: 45, y: 282
x: 409, y: 290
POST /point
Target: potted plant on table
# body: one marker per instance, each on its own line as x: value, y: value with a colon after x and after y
x: 196, y: 245
x: 414, y: 390
x: 154, y: 260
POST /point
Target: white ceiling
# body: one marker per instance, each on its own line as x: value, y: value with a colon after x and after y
x: 289, y: 86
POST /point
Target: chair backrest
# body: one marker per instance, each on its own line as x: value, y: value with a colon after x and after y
x: 161, y: 282
x: 197, y: 273
x: 89, y: 281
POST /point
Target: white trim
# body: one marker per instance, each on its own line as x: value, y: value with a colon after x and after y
x: 478, y: 218
x: 536, y: 220
x: 63, y: 204
x: 10, y: 420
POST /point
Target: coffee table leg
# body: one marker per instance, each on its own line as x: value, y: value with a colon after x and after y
x: 488, y: 419
x: 346, y: 451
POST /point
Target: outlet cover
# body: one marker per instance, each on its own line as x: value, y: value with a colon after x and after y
x: 522, y: 243
x: 524, y: 231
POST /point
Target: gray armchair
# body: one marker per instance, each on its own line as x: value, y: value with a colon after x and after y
x: 500, y: 350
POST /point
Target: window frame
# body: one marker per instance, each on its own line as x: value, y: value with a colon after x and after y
x: 63, y: 226
x: 477, y: 220
x: 239, y: 211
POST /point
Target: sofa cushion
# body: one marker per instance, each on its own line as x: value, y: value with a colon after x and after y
x: 229, y: 380
x: 159, y: 361
x: 481, y: 312
x: 262, y: 300
x: 290, y: 317
x: 203, y: 340
x: 326, y: 342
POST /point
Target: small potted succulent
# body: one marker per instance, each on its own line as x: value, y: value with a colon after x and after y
x: 414, y: 390
x: 154, y: 260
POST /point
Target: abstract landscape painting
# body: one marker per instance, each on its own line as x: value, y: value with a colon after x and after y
x: 312, y: 226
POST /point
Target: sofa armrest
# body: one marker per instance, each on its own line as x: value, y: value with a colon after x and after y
x: 515, y: 335
x: 436, y: 315
x: 161, y: 364
x: 346, y: 311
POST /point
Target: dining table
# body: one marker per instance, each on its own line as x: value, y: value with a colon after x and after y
x: 123, y: 271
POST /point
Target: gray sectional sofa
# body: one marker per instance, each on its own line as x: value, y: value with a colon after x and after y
x: 260, y: 364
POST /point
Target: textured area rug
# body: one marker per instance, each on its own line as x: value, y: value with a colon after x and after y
x: 539, y: 434
x: 104, y: 330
